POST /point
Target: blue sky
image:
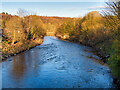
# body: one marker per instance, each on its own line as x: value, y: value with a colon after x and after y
x: 53, y: 0
x: 62, y: 9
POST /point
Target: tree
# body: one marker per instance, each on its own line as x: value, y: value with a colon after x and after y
x: 6, y: 13
x: 22, y: 12
x: 66, y: 28
x: 3, y: 23
x: 36, y: 27
x: 15, y: 29
x: 113, y: 8
x: 3, y: 12
x: 112, y: 15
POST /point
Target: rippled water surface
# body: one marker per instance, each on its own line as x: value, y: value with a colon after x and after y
x: 55, y: 64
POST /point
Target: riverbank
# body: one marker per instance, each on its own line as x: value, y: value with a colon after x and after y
x: 96, y: 50
x: 12, y: 50
x: 100, y: 50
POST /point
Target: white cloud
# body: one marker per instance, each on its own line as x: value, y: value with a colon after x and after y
x: 96, y: 7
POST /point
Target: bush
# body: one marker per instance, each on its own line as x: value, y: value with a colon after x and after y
x: 114, y: 60
x: 36, y: 27
x: 66, y: 28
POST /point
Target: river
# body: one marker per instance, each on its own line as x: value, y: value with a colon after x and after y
x: 56, y: 64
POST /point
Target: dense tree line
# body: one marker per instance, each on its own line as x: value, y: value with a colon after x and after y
x: 21, y: 29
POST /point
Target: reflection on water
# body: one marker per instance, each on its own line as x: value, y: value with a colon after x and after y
x: 18, y: 67
x: 57, y: 64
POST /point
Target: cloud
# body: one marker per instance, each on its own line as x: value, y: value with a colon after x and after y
x: 96, y: 7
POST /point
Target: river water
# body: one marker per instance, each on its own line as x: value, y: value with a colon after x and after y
x: 56, y: 64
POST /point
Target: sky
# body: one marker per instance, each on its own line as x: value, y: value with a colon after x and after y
x: 53, y: 0
x: 53, y: 8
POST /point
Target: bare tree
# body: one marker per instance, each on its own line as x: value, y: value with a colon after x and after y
x: 112, y: 8
x: 22, y: 12
x: 112, y: 15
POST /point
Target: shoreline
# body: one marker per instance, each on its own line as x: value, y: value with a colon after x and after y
x: 95, y: 50
x: 99, y: 54
x: 5, y: 56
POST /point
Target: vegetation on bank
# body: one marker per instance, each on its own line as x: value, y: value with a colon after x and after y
x: 22, y: 33
x: 10, y: 50
x: 91, y: 30
x: 100, y: 31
